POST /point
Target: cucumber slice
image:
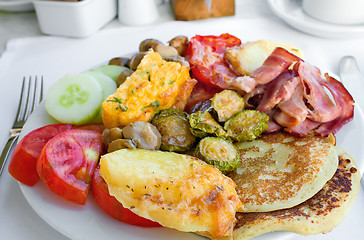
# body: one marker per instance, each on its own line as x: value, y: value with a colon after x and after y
x: 112, y: 71
x: 74, y: 99
x: 107, y: 84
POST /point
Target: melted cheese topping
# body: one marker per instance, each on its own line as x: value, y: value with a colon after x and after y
x: 176, y: 190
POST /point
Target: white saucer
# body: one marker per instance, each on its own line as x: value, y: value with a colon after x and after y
x: 291, y: 12
x: 16, y: 5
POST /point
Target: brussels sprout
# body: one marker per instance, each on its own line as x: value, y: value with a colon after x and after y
x: 201, y: 106
x: 227, y: 104
x: 247, y: 125
x: 175, y: 130
x: 203, y: 124
x: 218, y: 152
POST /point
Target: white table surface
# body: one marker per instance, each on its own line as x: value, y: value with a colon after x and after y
x: 17, y: 219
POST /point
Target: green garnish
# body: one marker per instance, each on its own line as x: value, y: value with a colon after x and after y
x: 120, y: 104
x: 154, y: 104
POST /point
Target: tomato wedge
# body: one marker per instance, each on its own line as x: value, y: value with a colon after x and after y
x: 206, y: 57
x: 112, y: 206
x: 91, y: 126
x: 22, y: 164
x: 200, y: 93
x: 67, y: 161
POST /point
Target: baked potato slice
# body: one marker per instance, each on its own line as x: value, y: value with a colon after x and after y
x: 247, y: 57
x: 178, y: 191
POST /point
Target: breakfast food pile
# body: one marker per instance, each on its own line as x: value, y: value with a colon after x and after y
x: 208, y: 135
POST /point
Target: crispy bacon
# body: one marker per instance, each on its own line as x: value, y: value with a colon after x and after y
x: 279, y: 90
x: 323, y: 108
x: 278, y: 61
x: 293, y: 111
x: 303, y: 128
x: 344, y: 102
x: 300, y: 99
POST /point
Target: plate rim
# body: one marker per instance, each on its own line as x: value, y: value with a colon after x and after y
x: 314, y: 26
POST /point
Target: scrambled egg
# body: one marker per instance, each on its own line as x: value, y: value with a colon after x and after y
x: 176, y: 190
x: 154, y: 86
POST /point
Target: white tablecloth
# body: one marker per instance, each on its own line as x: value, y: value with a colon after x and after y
x: 54, y: 57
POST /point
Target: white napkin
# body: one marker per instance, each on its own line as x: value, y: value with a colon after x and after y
x: 54, y: 57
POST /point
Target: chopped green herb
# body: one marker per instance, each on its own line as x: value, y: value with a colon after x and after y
x: 154, y: 104
x: 119, y: 102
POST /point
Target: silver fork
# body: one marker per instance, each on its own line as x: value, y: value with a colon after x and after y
x: 31, y: 95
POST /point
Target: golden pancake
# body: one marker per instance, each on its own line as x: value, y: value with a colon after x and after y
x: 320, y: 214
x: 280, y: 171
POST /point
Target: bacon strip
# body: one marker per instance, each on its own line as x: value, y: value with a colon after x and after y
x: 279, y: 90
x: 344, y: 102
x: 277, y: 62
x: 294, y: 110
x: 324, y: 109
x: 303, y: 128
x: 300, y: 99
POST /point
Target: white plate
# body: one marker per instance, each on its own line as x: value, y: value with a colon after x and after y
x: 291, y: 12
x: 91, y: 223
x: 16, y: 5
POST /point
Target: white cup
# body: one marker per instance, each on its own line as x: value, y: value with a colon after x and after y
x: 137, y: 12
x: 335, y: 11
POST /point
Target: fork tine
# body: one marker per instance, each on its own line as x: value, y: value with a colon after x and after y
x: 36, y: 95
x: 20, y: 106
x: 38, y: 92
x: 30, y: 99
x: 41, y: 89
x: 34, y: 102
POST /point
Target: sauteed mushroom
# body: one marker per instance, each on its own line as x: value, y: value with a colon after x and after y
x: 180, y: 43
x: 144, y: 134
x: 165, y: 51
x: 147, y: 44
x: 120, y: 144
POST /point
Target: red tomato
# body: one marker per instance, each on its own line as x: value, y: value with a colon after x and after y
x: 112, y: 206
x: 206, y: 57
x: 67, y: 162
x: 23, y: 162
x: 200, y: 93
x: 91, y: 126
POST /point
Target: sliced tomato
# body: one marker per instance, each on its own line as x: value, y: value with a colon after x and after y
x: 67, y: 161
x: 206, y: 57
x: 91, y: 126
x: 200, y: 93
x: 23, y: 162
x: 112, y: 206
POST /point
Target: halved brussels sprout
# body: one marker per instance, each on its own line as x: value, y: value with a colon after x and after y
x: 218, y: 152
x: 203, y: 124
x: 175, y: 130
x: 201, y: 106
x: 247, y: 125
x: 227, y: 104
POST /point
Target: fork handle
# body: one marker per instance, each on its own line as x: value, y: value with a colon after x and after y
x: 7, y: 150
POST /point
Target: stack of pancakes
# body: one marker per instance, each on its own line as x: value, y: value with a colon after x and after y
x: 303, y: 185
